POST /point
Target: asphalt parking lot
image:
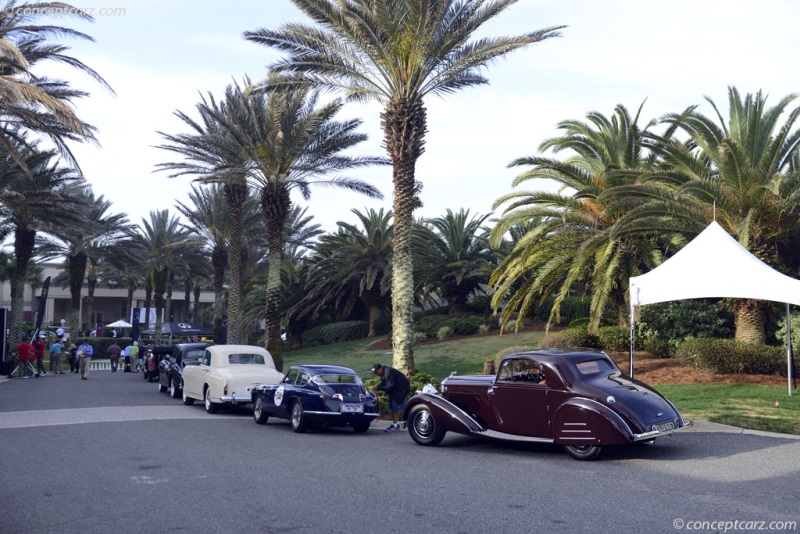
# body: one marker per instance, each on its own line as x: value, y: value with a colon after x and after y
x: 112, y: 455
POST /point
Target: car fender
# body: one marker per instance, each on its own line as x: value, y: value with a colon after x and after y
x: 451, y: 417
x: 582, y: 421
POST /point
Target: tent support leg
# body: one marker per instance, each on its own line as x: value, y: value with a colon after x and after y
x: 789, y: 347
x: 633, y: 335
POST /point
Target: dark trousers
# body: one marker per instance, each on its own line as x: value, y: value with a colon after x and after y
x: 40, y: 364
x: 73, y: 364
x: 114, y: 363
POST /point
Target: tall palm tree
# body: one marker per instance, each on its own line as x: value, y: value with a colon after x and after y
x: 34, y: 102
x: 351, y: 266
x: 740, y: 170
x: 29, y: 203
x: 571, y: 243
x: 212, y: 157
x: 292, y: 143
x: 395, y: 52
x: 453, y: 256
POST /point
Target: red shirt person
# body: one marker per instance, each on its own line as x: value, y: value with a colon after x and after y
x: 25, y: 354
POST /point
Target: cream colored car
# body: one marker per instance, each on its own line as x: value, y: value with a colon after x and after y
x: 227, y: 374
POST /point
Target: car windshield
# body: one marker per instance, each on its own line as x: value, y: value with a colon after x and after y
x: 234, y: 359
x: 336, y: 379
x: 591, y: 367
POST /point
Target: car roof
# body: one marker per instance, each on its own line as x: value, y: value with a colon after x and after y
x: 190, y: 346
x: 553, y: 356
x: 232, y: 349
x: 324, y: 369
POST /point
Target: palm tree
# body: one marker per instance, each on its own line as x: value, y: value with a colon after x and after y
x: 214, y: 158
x: 395, y: 52
x: 291, y: 143
x: 571, y: 243
x: 33, y: 102
x: 29, y: 203
x: 351, y: 266
x: 453, y: 257
x: 741, y: 171
x: 161, y: 238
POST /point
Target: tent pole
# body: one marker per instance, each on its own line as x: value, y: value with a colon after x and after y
x: 789, y: 347
x: 633, y: 335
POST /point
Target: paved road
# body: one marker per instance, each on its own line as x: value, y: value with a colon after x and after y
x: 145, y: 462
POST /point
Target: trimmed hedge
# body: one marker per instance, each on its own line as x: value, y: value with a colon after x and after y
x: 99, y: 344
x: 613, y: 338
x: 328, y: 334
x: 463, y: 324
x: 383, y: 325
x: 731, y: 356
x: 658, y: 347
x: 571, y: 337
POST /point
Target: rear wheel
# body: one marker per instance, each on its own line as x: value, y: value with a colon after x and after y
x: 361, y: 428
x: 161, y: 387
x: 298, y: 423
x: 259, y: 414
x: 211, y: 407
x: 583, y: 452
x: 423, y: 426
x: 188, y: 401
x: 174, y: 390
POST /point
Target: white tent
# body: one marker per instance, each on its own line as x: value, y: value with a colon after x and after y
x: 713, y: 264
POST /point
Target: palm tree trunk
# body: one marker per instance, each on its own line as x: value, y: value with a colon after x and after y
x: 159, y: 288
x: 187, y: 301
x: 276, y: 205
x: 131, y: 289
x: 749, y: 318
x: 403, y: 122
x: 24, y: 240
x: 168, y: 300
x: 218, y: 264
x: 236, y: 195
x: 91, y: 285
x: 196, y: 304
x: 76, y: 271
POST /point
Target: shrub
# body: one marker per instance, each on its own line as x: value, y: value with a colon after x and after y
x: 462, y: 324
x: 443, y: 333
x: 484, y: 328
x: 416, y: 380
x: 328, y: 334
x: 732, y: 356
x: 430, y: 324
x: 383, y: 325
x: 613, y: 338
x: 465, y: 325
x: 582, y: 322
x: 681, y: 319
x: 571, y: 337
x: 508, y: 351
x: 658, y: 347
x: 418, y: 337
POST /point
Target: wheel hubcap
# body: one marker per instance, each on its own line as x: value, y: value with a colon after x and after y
x: 423, y: 424
x: 208, y: 399
x: 257, y: 409
x: 296, y: 415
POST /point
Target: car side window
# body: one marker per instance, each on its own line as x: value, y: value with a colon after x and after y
x: 302, y: 380
x: 291, y: 376
x: 506, y: 373
x: 521, y: 370
x: 206, y: 358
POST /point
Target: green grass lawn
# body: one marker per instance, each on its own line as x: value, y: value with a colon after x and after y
x: 744, y: 405
x: 465, y: 356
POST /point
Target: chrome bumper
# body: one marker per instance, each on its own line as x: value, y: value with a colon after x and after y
x: 340, y: 413
x: 658, y: 433
x: 238, y: 399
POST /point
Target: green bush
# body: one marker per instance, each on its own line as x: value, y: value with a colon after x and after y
x: 100, y: 344
x: 658, y: 347
x: 418, y: 337
x: 613, y: 338
x: 383, y: 325
x: 569, y: 338
x: 731, y: 356
x: 582, y: 322
x: 484, y: 328
x: 462, y: 324
x: 430, y: 324
x: 466, y: 325
x: 681, y: 319
x: 328, y: 334
x: 443, y: 333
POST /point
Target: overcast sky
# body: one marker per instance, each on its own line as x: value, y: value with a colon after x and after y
x: 158, y: 55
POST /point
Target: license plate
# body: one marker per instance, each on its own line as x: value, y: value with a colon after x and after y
x: 663, y: 427
x: 352, y: 408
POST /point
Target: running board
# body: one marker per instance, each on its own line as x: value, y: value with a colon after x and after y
x: 493, y: 434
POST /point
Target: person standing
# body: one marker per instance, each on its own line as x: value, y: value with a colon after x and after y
x: 396, y: 386
x: 72, y: 356
x: 135, y: 363
x: 85, y: 352
x: 24, y: 357
x: 38, y: 350
x: 127, y: 354
x: 55, y: 356
x: 114, y: 352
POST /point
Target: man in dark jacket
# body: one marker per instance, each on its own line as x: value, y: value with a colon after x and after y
x: 396, y: 386
x: 114, y: 352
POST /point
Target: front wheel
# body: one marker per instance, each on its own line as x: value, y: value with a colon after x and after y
x: 174, y: 390
x: 211, y: 407
x: 298, y: 422
x: 423, y: 426
x: 161, y: 387
x: 188, y: 401
x: 583, y: 452
x: 259, y: 414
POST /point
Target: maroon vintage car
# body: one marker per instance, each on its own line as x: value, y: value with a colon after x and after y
x: 576, y: 398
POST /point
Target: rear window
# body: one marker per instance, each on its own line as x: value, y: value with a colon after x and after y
x: 257, y: 359
x: 194, y: 354
x: 336, y: 379
x: 590, y: 367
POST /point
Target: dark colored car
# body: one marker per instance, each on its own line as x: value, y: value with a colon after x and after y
x: 171, y: 361
x: 576, y: 398
x: 317, y: 395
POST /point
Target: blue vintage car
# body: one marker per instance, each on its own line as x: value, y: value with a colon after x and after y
x: 317, y: 395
